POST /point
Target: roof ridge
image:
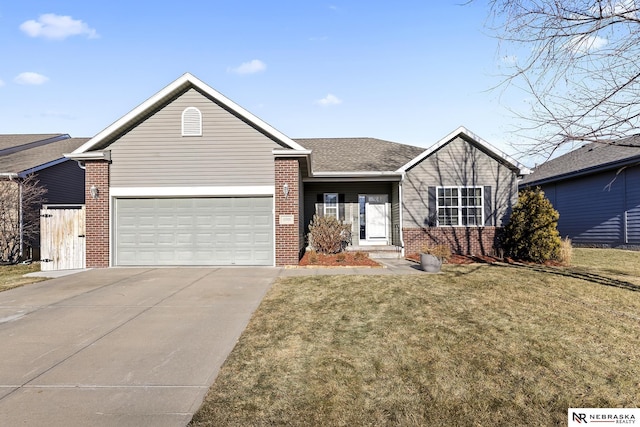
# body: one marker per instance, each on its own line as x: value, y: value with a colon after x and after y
x: 34, y: 144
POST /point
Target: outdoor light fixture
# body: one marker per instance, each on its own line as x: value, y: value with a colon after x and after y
x: 94, y: 191
x: 285, y: 190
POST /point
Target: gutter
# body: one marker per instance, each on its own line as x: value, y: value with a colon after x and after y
x: 8, y: 175
x: 89, y: 155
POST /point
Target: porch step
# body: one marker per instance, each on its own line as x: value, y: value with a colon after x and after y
x: 378, y: 251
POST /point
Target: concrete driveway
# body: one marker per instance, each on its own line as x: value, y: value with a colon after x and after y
x: 121, y: 347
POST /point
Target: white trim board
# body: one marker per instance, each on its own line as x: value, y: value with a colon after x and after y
x: 258, y: 190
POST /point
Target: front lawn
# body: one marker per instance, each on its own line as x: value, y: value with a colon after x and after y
x: 477, y: 345
x: 11, y: 276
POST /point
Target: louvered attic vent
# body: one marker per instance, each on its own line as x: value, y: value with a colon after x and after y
x: 191, y: 122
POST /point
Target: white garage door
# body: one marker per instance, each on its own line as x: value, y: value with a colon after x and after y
x: 194, y: 231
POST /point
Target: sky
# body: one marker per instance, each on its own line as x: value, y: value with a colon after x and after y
x: 406, y: 71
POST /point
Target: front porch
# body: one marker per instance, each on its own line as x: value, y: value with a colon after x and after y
x: 372, y: 209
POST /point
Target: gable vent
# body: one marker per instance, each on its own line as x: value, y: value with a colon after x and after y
x: 191, y: 122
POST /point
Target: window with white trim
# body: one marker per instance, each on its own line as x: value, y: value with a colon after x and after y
x: 191, y: 122
x: 460, y: 206
x: 331, y: 204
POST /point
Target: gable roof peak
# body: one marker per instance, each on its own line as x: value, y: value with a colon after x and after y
x: 484, y: 145
x: 182, y: 82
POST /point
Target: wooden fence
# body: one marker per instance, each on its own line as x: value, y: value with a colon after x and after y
x: 62, y: 238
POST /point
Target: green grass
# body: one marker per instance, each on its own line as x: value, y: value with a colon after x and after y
x: 11, y: 276
x: 477, y: 345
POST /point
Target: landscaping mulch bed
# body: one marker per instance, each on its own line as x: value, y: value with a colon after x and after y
x: 343, y: 259
x: 463, y: 259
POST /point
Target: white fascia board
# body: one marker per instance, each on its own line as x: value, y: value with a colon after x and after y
x: 8, y: 175
x: 523, y: 170
x: 357, y: 174
x: 291, y: 153
x: 353, y: 177
x: 183, y: 80
x: 226, y: 191
x: 88, y: 155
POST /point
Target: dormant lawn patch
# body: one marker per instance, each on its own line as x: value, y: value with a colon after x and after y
x: 479, y: 345
x: 11, y: 276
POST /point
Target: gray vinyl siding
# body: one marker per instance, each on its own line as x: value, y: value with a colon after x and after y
x: 229, y: 153
x: 593, y: 208
x: 351, y: 190
x: 64, y: 183
x: 458, y: 163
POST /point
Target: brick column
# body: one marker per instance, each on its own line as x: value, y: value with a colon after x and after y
x: 97, y: 210
x: 287, y: 235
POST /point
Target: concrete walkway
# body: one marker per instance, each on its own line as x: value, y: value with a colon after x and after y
x: 121, y: 347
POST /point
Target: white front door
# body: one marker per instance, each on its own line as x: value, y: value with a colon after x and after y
x: 374, y: 219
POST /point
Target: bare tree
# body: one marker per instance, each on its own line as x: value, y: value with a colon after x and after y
x: 20, y: 202
x: 580, y: 62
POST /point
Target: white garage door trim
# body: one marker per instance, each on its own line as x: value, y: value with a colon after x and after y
x: 193, y: 231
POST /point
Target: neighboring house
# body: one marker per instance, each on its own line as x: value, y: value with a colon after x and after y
x: 595, y: 189
x: 41, y: 155
x: 191, y: 178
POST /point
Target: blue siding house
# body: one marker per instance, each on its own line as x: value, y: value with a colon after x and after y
x: 596, y: 190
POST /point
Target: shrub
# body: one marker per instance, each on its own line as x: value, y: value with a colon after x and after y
x: 359, y: 255
x: 341, y: 257
x: 327, y: 235
x: 313, y: 257
x: 442, y: 252
x: 566, y: 252
x: 532, y: 233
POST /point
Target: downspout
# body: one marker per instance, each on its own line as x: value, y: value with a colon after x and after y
x: 21, y: 218
x: 400, y: 210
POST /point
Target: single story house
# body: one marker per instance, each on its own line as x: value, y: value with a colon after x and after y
x: 595, y: 189
x: 41, y: 155
x: 191, y: 178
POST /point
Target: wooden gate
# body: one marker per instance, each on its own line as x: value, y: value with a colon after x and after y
x: 62, y: 238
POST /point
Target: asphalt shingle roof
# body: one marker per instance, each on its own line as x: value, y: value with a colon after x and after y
x: 357, y: 154
x: 29, y: 158
x: 15, y: 140
x: 589, y: 157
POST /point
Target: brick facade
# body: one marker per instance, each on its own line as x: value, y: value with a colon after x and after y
x: 287, y: 235
x: 461, y: 240
x: 97, y: 220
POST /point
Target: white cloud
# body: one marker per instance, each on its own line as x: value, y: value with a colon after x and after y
x: 587, y: 44
x: 29, y: 78
x: 57, y: 27
x: 1, y: 83
x: 625, y: 8
x: 329, y: 100
x: 251, y: 67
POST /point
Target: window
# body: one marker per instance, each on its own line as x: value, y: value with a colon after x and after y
x: 460, y: 206
x: 331, y: 204
x: 191, y: 122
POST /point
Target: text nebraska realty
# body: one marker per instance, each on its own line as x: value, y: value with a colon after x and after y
x: 604, y: 418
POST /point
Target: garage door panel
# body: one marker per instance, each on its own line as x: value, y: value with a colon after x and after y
x: 196, y: 231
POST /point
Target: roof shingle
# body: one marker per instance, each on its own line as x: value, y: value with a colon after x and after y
x: 357, y: 154
x: 592, y: 156
x: 30, y: 158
